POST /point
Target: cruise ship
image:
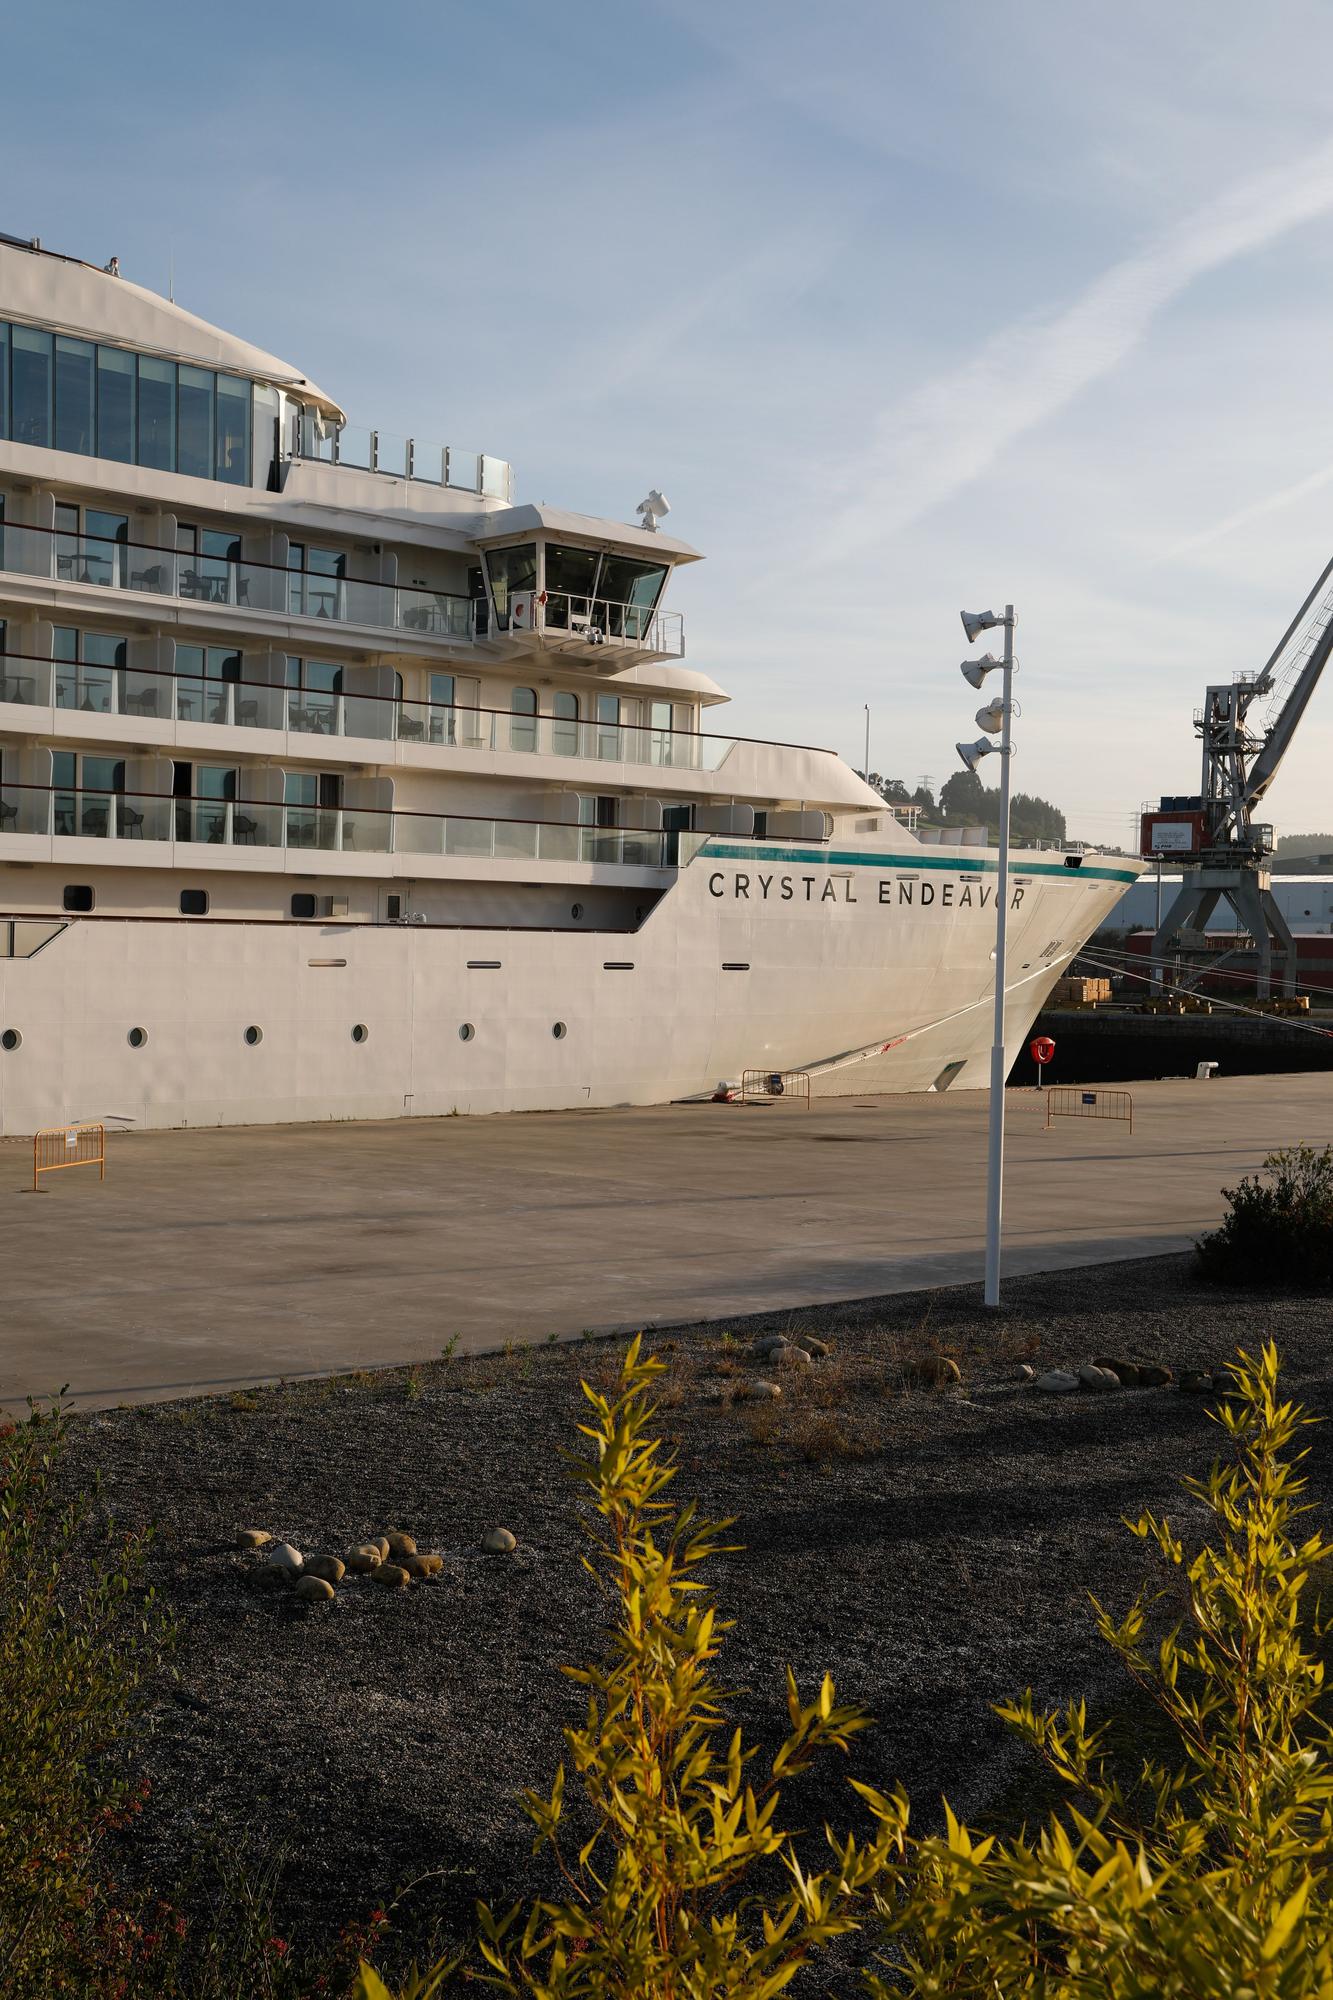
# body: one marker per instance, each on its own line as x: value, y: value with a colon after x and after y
x: 338, y: 782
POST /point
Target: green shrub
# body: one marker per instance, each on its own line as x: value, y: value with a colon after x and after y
x: 667, y: 1896
x: 1197, y: 1876
x: 1280, y: 1228
x: 77, y: 1636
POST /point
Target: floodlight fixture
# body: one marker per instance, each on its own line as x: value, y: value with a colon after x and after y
x: 972, y: 753
x: 991, y: 717
x: 975, y: 622
x: 976, y: 671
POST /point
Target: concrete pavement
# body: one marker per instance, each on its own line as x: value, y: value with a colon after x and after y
x: 210, y: 1259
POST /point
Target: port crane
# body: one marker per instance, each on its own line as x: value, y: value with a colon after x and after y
x: 1223, y: 849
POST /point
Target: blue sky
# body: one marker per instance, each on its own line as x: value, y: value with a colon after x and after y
x: 905, y: 307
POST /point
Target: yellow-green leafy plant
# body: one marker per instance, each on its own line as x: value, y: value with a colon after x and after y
x: 688, y: 1885
x: 1193, y: 1874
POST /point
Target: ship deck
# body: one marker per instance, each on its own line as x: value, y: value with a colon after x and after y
x: 212, y: 1259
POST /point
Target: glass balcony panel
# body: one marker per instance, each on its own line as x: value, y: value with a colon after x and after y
x: 26, y: 683
x: 515, y: 841
x: 86, y: 688
x: 418, y: 833
x: 494, y: 478
x: 558, y: 843
x: 469, y: 837
x: 312, y: 712
x: 368, y: 715
x: 428, y: 462
x: 313, y: 826
x: 365, y: 832
x: 391, y: 454
x: 465, y: 470
x: 352, y: 446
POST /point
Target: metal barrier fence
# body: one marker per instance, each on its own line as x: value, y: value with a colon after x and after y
x: 60, y: 1146
x: 761, y: 1084
x: 1068, y: 1101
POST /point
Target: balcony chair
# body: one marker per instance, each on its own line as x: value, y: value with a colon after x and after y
x: 7, y: 813
x: 131, y: 823
x: 243, y: 829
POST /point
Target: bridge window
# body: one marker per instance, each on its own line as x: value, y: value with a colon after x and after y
x: 512, y: 572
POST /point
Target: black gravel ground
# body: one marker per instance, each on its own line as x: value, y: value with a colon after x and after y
x: 933, y: 1548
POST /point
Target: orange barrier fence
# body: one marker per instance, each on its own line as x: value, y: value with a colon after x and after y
x: 1068, y: 1101
x: 761, y: 1084
x: 67, y: 1146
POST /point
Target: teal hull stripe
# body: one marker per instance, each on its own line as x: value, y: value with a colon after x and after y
x: 955, y: 864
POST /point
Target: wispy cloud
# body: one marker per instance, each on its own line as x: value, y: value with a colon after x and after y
x: 953, y: 429
x: 1245, y: 517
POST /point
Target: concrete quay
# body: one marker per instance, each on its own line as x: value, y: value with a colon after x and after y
x: 212, y: 1259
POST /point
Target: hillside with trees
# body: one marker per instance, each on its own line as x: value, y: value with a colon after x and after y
x: 965, y: 801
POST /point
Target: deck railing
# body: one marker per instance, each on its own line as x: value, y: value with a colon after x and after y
x: 91, y: 813
x: 402, y: 457
x: 156, y: 693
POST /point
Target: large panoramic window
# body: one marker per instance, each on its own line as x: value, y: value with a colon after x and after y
x: 138, y: 409
x: 571, y: 581
x: 115, y: 404
x: 196, y: 394
x: 75, y: 394
x: 30, y: 386
x: 157, y: 413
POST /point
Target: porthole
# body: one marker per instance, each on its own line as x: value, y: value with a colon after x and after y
x: 137, y: 1037
x: 360, y: 1032
x: 560, y: 1031
x: 11, y: 1039
x: 303, y: 904
x: 78, y: 897
x: 194, y: 902
x: 254, y: 1036
x: 576, y: 911
x: 466, y: 1032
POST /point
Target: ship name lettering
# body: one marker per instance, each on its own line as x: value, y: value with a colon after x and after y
x: 743, y: 886
x: 715, y: 885
x: 946, y: 895
x: 809, y: 881
x: 786, y: 889
x: 765, y: 884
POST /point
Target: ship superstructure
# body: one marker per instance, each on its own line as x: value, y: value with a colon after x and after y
x: 334, y: 782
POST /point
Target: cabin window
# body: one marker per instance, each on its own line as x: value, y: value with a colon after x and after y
x: 87, y: 668
x: 194, y: 902
x: 196, y: 394
x: 565, y: 724
x: 317, y: 585
x: 523, y: 723
x: 78, y: 898
x: 304, y: 904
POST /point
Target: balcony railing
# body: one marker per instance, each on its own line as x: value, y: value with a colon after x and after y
x: 150, y: 692
x: 403, y: 458
x: 116, y: 563
x: 120, y: 564
x: 84, y: 812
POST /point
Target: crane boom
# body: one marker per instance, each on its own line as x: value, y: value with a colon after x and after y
x: 1277, y: 739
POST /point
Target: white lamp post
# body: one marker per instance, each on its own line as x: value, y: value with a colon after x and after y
x: 995, y: 718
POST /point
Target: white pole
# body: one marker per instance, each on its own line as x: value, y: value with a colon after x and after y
x: 867, y: 762
x: 995, y: 1155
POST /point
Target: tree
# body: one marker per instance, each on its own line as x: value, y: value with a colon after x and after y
x: 964, y: 799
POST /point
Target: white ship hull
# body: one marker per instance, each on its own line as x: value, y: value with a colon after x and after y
x: 867, y: 966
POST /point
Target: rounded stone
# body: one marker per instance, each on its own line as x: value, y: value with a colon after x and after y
x: 792, y: 1357
x: 252, y: 1538
x: 1125, y: 1372
x: 820, y: 1349
x: 1195, y: 1383
x: 392, y: 1576
x: 285, y: 1559
x: 1155, y: 1375
x: 1057, y: 1382
x: 769, y: 1344
x: 330, y: 1568
x: 498, y: 1542
x: 1026, y: 1372
x: 1093, y: 1377
x: 418, y: 1566
x: 380, y: 1542
x: 365, y: 1559
x: 400, y: 1545
x: 757, y: 1391
x: 314, y: 1590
